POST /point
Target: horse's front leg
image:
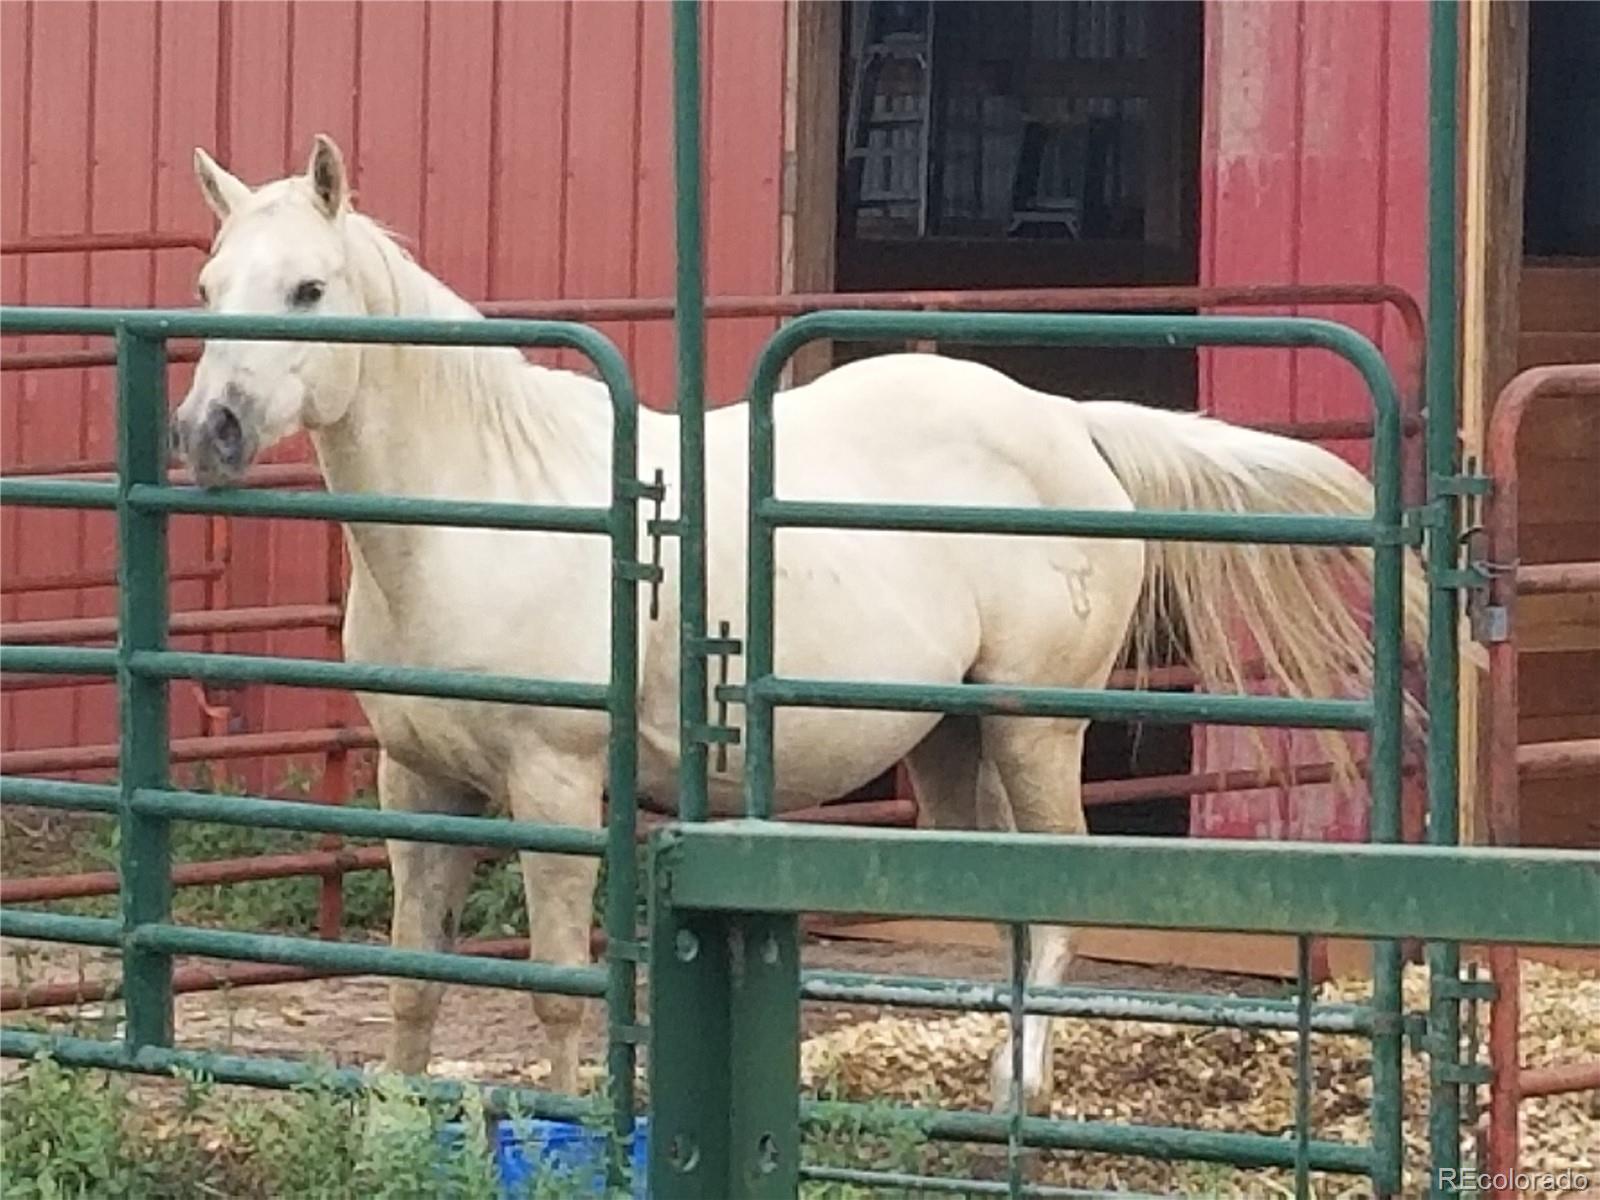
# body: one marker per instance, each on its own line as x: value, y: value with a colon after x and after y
x: 431, y: 882
x: 559, y: 891
x: 1039, y: 763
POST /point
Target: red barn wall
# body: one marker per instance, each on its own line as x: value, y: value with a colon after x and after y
x: 523, y: 150
x: 1314, y: 162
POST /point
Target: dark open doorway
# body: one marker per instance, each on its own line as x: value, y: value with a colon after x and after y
x: 980, y: 144
x: 1000, y: 144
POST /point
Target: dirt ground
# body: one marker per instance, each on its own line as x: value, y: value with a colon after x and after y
x: 491, y: 1033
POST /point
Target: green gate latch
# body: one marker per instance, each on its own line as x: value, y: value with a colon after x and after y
x: 657, y: 527
x: 719, y: 733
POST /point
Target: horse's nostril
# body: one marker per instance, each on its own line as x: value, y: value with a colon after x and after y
x: 227, y: 435
x: 174, y: 441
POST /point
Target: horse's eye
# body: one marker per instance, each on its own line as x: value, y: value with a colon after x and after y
x: 308, y: 293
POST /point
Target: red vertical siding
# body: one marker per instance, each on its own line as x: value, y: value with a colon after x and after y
x: 602, y: 172
x: 744, y: 159
x: 530, y: 186
x: 1314, y: 171
x: 523, y: 150
x: 15, y: 51
x: 655, y: 248
x: 54, y: 407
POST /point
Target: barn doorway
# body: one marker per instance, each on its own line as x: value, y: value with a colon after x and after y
x: 1556, y: 278
x: 981, y: 144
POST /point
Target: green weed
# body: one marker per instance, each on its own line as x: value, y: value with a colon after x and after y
x: 67, y: 1133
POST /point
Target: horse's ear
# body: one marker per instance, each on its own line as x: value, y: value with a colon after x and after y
x: 223, y: 192
x: 326, y: 172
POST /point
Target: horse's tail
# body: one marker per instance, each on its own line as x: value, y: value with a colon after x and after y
x: 1299, y: 605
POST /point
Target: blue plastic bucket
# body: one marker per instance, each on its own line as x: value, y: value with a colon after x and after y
x: 526, y: 1152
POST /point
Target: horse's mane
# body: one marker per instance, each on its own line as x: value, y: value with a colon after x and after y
x: 536, y: 410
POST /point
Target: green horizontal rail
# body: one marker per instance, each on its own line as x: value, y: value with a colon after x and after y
x: 1146, y: 1141
x: 364, y: 677
x: 60, y: 927
x: 981, y: 699
x: 915, y: 1185
x: 60, y: 793
x: 366, y: 508
x: 58, y: 493
x: 354, y: 958
x: 161, y: 324
x: 1276, y: 528
x: 1177, y: 1008
x: 347, y: 957
x: 256, y: 812
x: 280, y: 1073
x: 1529, y: 897
x: 359, y: 508
x: 59, y: 660
x: 1074, y: 329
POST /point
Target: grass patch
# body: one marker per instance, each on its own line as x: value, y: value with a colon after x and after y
x: 879, y: 1138
x: 82, y: 1133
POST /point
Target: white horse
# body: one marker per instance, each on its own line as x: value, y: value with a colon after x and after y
x: 484, y: 424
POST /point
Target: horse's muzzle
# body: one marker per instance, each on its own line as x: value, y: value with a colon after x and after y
x: 217, y: 448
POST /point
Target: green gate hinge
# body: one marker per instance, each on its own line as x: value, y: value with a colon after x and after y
x: 715, y: 735
x: 651, y: 573
x: 1462, y: 579
x: 1466, y: 989
x: 1414, y: 522
x: 633, y: 1035
x: 657, y: 527
x: 1465, y: 484
x: 719, y: 733
x: 1463, y: 1073
x: 627, y: 949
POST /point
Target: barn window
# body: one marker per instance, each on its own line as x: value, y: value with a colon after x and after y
x: 1011, y: 120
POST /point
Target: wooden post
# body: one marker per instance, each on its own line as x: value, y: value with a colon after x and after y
x: 811, y: 161
x: 1496, y: 107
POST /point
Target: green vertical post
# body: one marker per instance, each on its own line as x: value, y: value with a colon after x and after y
x: 146, y: 851
x: 689, y: 1048
x: 1386, y: 777
x: 724, y: 1049
x: 760, y: 781
x: 622, y: 872
x: 690, y: 329
x: 764, y: 1054
x: 1444, y: 1017
x: 1302, y: 1069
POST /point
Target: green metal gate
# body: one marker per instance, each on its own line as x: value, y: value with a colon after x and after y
x: 1379, y: 715
x: 143, y: 799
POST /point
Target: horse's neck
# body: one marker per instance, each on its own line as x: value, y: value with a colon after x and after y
x: 479, y: 424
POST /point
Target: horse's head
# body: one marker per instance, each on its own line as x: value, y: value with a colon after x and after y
x: 281, y: 248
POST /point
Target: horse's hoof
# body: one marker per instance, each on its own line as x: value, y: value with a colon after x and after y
x: 1036, y: 1091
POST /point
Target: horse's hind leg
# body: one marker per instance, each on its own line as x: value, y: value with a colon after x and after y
x: 1039, y: 762
x: 430, y: 888
x: 559, y: 891
x: 944, y: 774
x: 956, y: 787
